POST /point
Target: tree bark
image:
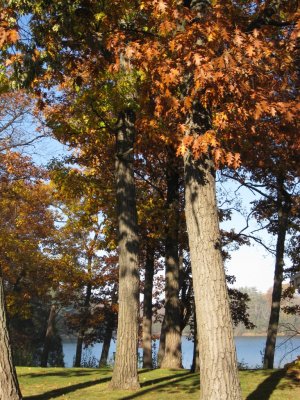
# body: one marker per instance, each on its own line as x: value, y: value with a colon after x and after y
x: 172, y: 355
x: 106, y: 345
x: 125, y: 370
x: 78, y: 354
x: 147, y: 317
x: 110, y: 327
x: 80, y: 338
x: 49, y: 336
x: 218, y: 365
x: 195, y: 368
x: 283, y: 216
x: 9, y: 386
x: 162, y: 343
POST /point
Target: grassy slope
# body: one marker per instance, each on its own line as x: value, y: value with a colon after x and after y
x: 92, y: 384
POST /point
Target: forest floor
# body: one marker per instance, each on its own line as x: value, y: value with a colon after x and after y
x: 92, y: 384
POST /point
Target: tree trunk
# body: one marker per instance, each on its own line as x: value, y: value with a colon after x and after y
x: 218, y: 365
x: 110, y: 326
x: 125, y: 370
x: 78, y: 354
x: 9, y: 387
x: 195, y: 368
x: 147, y: 317
x: 49, y: 336
x: 172, y: 356
x: 162, y: 343
x: 86, y: 305
x: 283, y: 214
x: 106, y: 345
x: 109, y: 329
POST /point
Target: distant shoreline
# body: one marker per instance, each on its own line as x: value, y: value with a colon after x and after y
x: 264, y: 334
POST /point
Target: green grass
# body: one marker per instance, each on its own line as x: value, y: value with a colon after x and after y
x: 92, y: 384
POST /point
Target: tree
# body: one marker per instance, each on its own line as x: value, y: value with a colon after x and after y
x: 125, y: 371
x: 172, y: 352
x: 209, y: 86
x: 89, y: 283
x: 274, y: 178
x: 9, y: 388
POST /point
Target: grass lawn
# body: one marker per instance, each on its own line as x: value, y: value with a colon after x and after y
x: 92, y: 384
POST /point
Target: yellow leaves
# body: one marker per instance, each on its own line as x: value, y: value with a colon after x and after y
x: 169, y: 76
x: 8, y: 36
x: 208, y: 143
x: 250, y: 51
x: 55, y: 28
x: 166, y: 27
x: 238, y: 39
x: 188, y: 101
x: 161, y: 6
x: 197, y: 59
x: 210, y: 37
x: 181, y: 150
x: 185, y: 144
x: 100, y: 16
x: 129, y: 51
x: 220, y: 120
x: 221, y: 157
x: 263, y: 107
x: 172, y: 45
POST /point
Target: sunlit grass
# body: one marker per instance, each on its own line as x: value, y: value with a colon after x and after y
x: 92, y: 384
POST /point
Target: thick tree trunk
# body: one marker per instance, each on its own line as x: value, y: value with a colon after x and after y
x: 125, y: 370
x: 49, y: 336
x: 172, y: 356
x: 9, y: 387
x: 147, y: 317
x: 218, y: 366
x: 283, y: 214
x: 80, y: 338
x: 196, y: 365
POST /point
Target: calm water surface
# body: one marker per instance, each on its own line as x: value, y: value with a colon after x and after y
x: 249, y: 351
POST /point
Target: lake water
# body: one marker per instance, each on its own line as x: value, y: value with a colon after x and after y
x: 249, y: 351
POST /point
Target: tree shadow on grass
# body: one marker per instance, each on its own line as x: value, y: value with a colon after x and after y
x: 168, y: 383
x: 265, y: 389
x: 171, y: 382
x: 68, y: 373
x: 66, y: 389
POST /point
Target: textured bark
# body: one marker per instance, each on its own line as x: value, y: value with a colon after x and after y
x: 78, y: 354
x: 162, y: 343
x: 283, y: 216
x: 172, y: 355
x: 218, y: 366
x: 106, y: 345
x: 125, y: 370
x: 147, y: 317
x: 110, y: 327
x: 196, y: 365
x: 49, y: 336
x: 9, y: 387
